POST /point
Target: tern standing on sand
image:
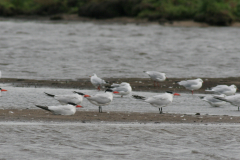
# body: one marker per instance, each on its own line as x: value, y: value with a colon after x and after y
x: 124, y: 88
x: 76, y: 98
x: 159, y: 101
x: 156, y: 76
x: 102, y: 99
x: 69, y: 109
x: 192, y: 85
x: 97, y: 82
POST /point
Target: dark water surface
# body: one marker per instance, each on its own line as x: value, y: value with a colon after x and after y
x: 70, y: 50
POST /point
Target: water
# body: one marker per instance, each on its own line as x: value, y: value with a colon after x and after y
x: 70, y: 50
x: 22, y: 98
x: 118, y: 141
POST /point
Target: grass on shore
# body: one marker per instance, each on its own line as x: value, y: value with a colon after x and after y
x: 215, y: 12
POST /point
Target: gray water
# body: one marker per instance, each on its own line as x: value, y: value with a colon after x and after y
x: 71, y: 50
x: 118, y: 141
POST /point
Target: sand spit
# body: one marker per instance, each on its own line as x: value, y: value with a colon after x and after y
x: 37, y: 115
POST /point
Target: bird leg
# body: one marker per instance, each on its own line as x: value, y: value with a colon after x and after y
x: 100, y: 109
x: 154, y: 83
x: 192, y: 92
x: 99, y: 88
x: 238, y: 108
x: 121, y: 96
x: 160, y: 110
x: 158, y: 84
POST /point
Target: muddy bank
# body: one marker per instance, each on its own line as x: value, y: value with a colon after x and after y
x: 34, y: 115
x: 138, y: 84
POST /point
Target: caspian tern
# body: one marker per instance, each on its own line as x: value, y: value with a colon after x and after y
x: 194, y: 84
x: 212, y: 101
x: 159, y: 101
x: 1, y: 90
x: 101, y: 99
x: 97, y: 82
x: 68, y: 109
x: 156, y: 76
x: 233, y: 100
x: 224, y: 89
x: 76, y: 98
x: 123, y: 89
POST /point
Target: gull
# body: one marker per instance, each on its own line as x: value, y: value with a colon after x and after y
x: 233, y: 99
x: 101, y: 99
x: 123, y: 89
x: 97, y: 82
x: 76, y: 98
x: 159, y: 101
x: 224, y: 89
x: 156, y: 76
x: 212, y: 101
x: 194, y: 84
x: 68, y: 109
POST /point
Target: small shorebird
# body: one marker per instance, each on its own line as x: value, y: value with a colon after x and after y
x: 123, y: 89
x: 224, y: 89
x: 159, y: 101
x: 101, y: 99
x: 194, y: 84
x: 68, y: 109
x: 76, y: 98
x: 156, y: 76
x: 97, y: 82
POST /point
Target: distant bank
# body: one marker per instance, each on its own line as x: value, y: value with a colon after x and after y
x: 209, y: 12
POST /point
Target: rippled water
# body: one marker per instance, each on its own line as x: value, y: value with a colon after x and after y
x: 118, y: 141
x: 70, y: 50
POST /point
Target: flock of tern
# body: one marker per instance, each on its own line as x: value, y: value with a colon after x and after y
x: 69, y: 103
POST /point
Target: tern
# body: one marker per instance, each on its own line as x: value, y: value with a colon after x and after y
x: 194, y: 84
x: 101, y: 99
x: 156, y: 76
x: 233, y: 100
x: 123, y: 89
x: 212, y: 101
x: 97, y: 82
x: 76, y: 98
x: 68, y: 109
x: 159, y: 101
x: 2, y: 90
x: 224, y: 89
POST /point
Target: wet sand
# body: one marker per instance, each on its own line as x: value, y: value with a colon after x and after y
x: 138, y: 84
x: 37, y: 115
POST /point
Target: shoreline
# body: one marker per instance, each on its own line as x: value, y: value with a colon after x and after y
x: 138, y: 84
x: 38, y: 115
x: 117, y: 20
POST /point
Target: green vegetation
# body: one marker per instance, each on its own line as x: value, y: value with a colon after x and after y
x: 214, y: 12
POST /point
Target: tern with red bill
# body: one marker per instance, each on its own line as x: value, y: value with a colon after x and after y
x: 102, y: 99
x: 159, y: 101
x: 156, y: 76
x: 123, y: 89
x: 76, y: 98
x: 192, y: 85
x: 97, y: 82
x: 68, y: 109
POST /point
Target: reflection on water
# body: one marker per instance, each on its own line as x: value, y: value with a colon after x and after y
x: 118, y: 141
x: 45, y: 50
